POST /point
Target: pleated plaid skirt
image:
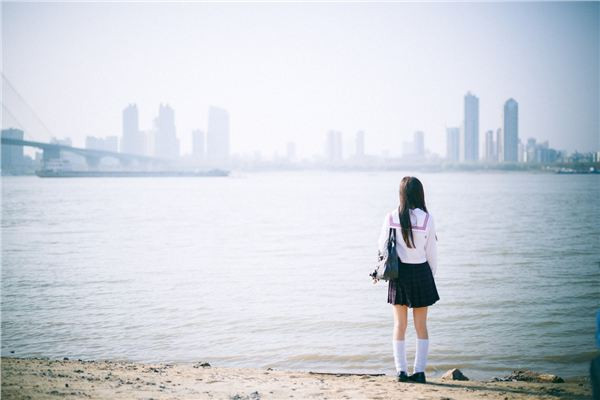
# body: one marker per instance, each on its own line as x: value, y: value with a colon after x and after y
x: 415, y: 286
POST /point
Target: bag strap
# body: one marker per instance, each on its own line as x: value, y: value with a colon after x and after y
x: 392, y: 234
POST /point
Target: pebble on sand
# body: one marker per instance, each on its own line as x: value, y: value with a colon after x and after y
x: 454, y: 374
x: 531, y: 376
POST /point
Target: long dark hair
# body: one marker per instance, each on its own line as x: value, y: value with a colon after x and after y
x: 411, y: 196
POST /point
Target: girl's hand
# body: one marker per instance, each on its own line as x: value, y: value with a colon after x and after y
x: 374, y: 276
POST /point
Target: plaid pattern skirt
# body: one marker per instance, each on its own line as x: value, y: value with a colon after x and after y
x: 415, y: 286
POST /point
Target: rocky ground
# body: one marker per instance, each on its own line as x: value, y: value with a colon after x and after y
x: 32, y: 378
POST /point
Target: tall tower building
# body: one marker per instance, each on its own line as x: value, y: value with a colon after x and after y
x: 521, y: 157
x: 12, y: 156
x: 531, y: 150
x: 489, y: 146
x: 217, y: 136
x: 419, y: 144
x: 338, y: 146
x: 453, y: 144
x: 333, y: 147
x: 471, y: 127
x: 499, y: 145
x: 291, y: 151
x: 360, y: 144
x: 511, y: 130
x: 198, y: 148
x: 132, y: 140
x: 166, y: 143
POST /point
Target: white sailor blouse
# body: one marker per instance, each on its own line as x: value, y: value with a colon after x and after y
x: 424, y: 235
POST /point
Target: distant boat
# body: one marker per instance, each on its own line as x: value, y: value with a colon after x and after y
x: 57, y: 173
x: 564, y: 170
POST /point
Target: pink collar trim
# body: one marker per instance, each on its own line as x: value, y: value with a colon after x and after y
x: 418, y: 228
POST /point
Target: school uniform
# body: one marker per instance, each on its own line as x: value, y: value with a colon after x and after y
x: 415, y: 286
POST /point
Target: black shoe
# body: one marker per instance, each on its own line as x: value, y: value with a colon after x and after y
x: 418, y: 377
x: 402, y: 377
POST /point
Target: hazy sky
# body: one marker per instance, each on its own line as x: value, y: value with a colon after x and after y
x: 291, y: 71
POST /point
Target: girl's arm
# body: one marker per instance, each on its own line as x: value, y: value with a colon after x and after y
x: 431, y: 246
x: 383, y: 236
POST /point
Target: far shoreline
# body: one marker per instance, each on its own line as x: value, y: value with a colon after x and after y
x: 561, y: 168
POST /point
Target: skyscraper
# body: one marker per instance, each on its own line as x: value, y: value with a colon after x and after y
x: 360, y: 144
x: 198, y: 148
x: 339, y: 146
x: 521, y: 156
x: 166, y: 143
x: 489, y: 146
x: 531, y: 150
x: 132, y: 141
x: 333, y: 147
x: 12, y: 156
x: 217, y: 136
x: 452, y: 144
x: 419, y: 146
x: 471, y: 127
x: 291, y: 151
x: 511, y: 130
x: 499, y: 145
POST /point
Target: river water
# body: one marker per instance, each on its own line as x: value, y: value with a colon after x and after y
x: 271, y: 270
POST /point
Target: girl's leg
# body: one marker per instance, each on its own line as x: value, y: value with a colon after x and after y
x: 420, y: 320
x: 400, y: 323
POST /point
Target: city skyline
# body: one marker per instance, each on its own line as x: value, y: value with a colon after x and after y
x: 215, y: 146
x: 96, y: 155
x: 162, y: 140
x: 371, y: 67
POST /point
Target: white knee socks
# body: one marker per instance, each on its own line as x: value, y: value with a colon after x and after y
x: 421, y: 356
x: 400, y: 355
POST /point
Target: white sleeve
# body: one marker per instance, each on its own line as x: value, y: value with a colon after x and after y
x: 431, y: 246
x: 383, y: 236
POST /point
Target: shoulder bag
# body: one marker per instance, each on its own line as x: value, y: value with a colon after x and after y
x: 387, y: 265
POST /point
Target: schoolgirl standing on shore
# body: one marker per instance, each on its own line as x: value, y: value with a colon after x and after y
x: 416, y: 246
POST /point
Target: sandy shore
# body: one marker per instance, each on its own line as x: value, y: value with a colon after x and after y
x: 30, y: 378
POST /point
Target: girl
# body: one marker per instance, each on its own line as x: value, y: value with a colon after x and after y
x: 416, y: 245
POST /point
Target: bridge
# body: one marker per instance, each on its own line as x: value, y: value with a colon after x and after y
x: 52, y: 151
x: 92, y: 156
